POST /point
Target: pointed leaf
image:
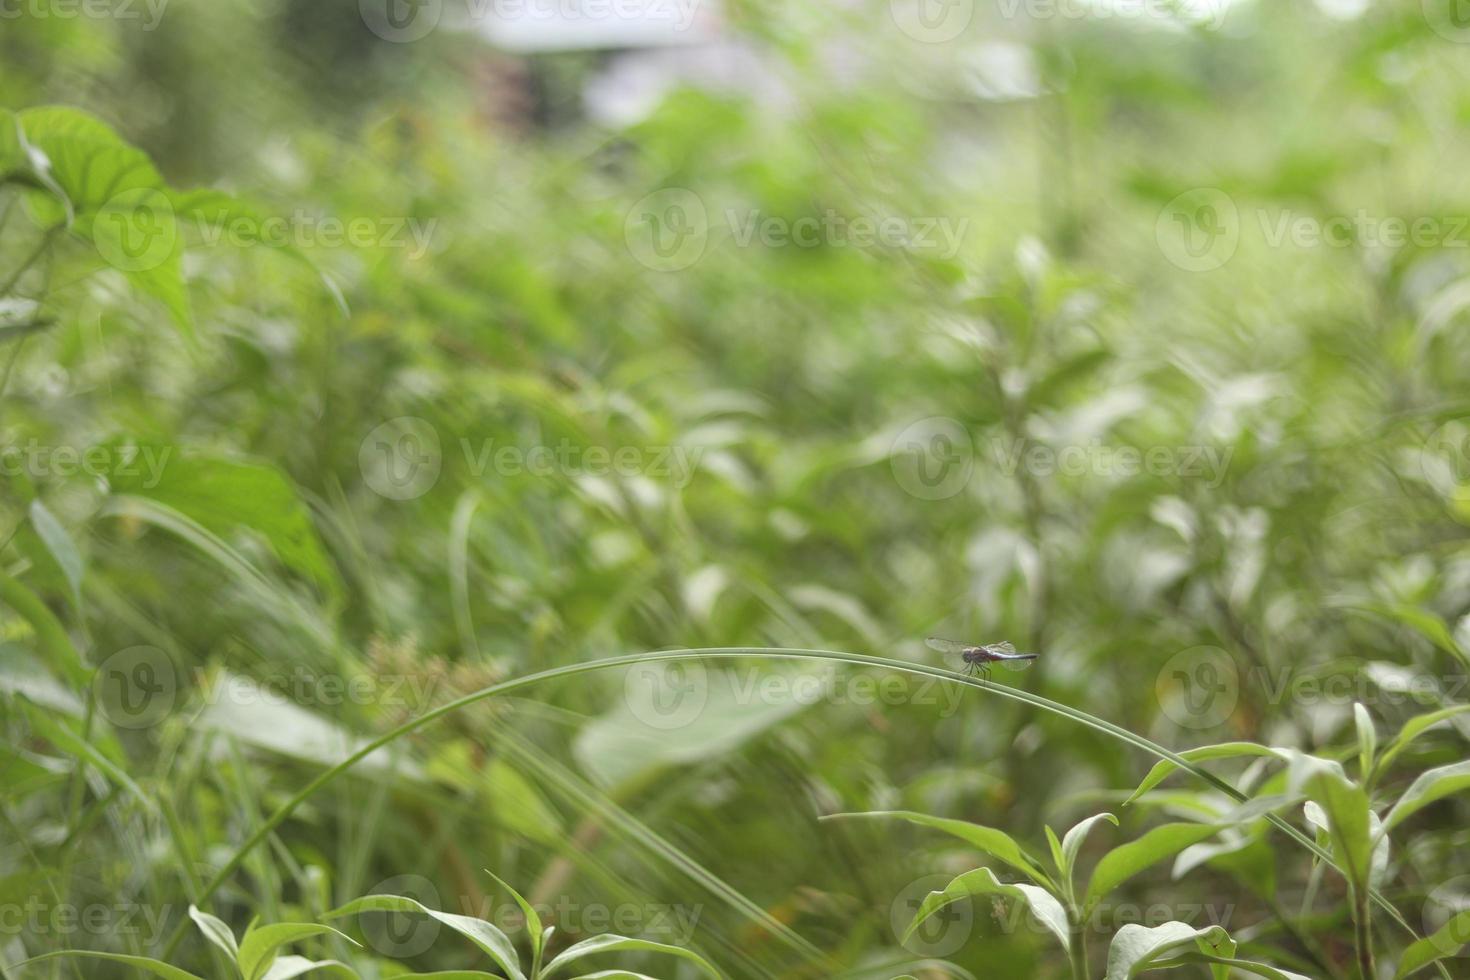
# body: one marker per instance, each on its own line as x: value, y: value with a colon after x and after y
x: 1430, y: 787
x: 489, y: 938
x: 288, y: 967
x: 1225, y: 750
x: 533, y: 921
x: 1367, y: 739
x: 1136, y: 949
x: 982, y: 881
x: 60, y: 546
x: 1127, y: 860
x: 1446, y: 941
x: 258, y: 948
x: 216, y: 932
x: 997, y: 843
x: 610, y: 943
x: 1415, y: 727
x: 1072, y: 843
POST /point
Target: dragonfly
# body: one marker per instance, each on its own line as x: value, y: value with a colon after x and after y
x: 978, y: 658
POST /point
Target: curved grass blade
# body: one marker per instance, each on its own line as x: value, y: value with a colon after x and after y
x: 758, y: 653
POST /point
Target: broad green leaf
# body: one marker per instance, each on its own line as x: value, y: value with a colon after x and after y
x: 88, y: 160
x: 533, y: 921
x: 116, y: 198
x: 1446, y: 941
x: 259, y: 947
x: 1127, y: 860
x: 1428, y: 788
x: 1136, y: 949
x: 610, y: 943
x: 982, y: 881
x: 1225, y: 750
x: 154, y: 967
x: 225, y: 495
x: 997, y: 843
x: 488, y: 937
x: 60, y: 546
x: 216, y: 932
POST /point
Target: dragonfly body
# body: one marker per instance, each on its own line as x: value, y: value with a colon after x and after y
x: 979, y: 658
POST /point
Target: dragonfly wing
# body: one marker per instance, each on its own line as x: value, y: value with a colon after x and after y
x: 946, y: 646
x: 1003, y: 649
x: 1017, y: 662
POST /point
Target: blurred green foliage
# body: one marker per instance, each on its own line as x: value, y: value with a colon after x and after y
x: 1135, y: 270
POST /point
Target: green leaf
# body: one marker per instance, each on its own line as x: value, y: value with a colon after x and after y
x: 154, y: 967
x: 489, y: 938
x: 1344, y: 804
x: 56, y: 648
x: 1136, y: 949
x: 1445, y: 942
x: 60, y: 546
x: 997, y: 843
x: 288, y: 967
x: 1057, y: 857
x: 259, y: 947
x: 224, y: 495
x: 1225, y: 750
x: 982, y: 881
x: 1367, y: 739
x: 1127, y: 860
x: 216, y: 932
x: 1431, y: 786
x: 533, y: 921
x: 1073, y: 841
x: 610, y: 943
x: 116, y: 198
x: 1246, y: 966
x: 1415, y: 727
